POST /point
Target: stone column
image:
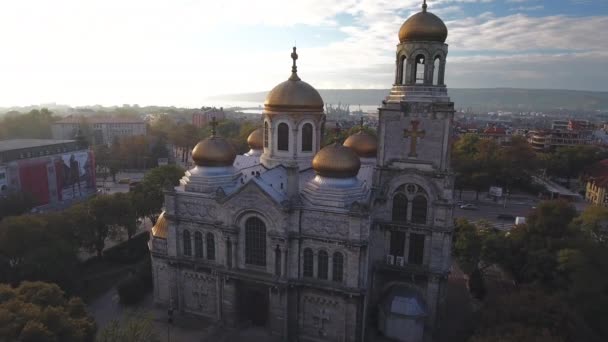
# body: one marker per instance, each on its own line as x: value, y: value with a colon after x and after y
x: 398, y: 69
x: 427, y: 250
x: 406, y: 248
x: 441, y: 77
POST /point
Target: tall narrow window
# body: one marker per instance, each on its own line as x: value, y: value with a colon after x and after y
x: 419, y: 208
x: 403, y: 70
x: 187, y: 243
x: 307, y: 137
x: 198, y: 244
x: 400, y: 208
x: 397, y: 247
x: 283, y: 137
x: 416, y: 251
x: 229, y: 253
x: 308, y: 263
x: 277, y: 261
x: 210, y: 246
x: 338, y: 267
x: 437, y: 64
x: 255, y: 242
x: 323, y: 265
x: 266, y: 134
x: 420, y: 69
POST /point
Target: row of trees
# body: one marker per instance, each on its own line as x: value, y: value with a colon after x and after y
x: 45, y: 247
x: 560, y: 263
x: 480, y: 163
x: 185, y: 135
x: 35, y: 124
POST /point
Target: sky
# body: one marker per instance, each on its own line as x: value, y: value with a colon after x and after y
x: 179, y: 52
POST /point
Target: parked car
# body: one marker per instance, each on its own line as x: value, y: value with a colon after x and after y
x: 468, y: 206
x: 506, y: 217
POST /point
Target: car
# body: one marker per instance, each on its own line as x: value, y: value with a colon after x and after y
x: 468, y: 206
x: 506, y: 217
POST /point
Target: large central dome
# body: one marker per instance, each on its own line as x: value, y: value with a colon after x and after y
x: 423, y: 27
x: 294, y: 94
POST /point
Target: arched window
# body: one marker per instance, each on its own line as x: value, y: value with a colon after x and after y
x: 210, y: 246
x: 198, y: 244
x: 400, y: 208
x: 419, y: 207
x: 255, y: 242
x: 307, y: 137
x: 277, y: 261
x: 403, y: 70
x: 437, y: 65
x: 308, y: 263
x: 229, y: 252
x: 338, y: 267
x: 323, y: 265
x: 187, y: 243
x: 283, y: 137
x: 266, y: 134
x: 419, y: 69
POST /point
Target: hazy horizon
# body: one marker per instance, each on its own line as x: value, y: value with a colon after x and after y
x: 181, y: 52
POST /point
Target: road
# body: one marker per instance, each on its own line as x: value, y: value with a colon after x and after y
x: 487, y: 209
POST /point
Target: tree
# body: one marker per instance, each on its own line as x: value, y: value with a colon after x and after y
x: 530, y: 314
x: 569, y: 162
x: 35, y: 124
x: 38, y: 312
x: 32, y: 249
x: 594, y: 222
x: 131, y: 328
x: 148, y: 197
x: 15, y: 203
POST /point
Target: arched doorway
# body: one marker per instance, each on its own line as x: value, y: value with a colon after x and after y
x: 253, y: 303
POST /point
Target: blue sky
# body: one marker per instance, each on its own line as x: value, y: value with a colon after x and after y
x: 179, y: 52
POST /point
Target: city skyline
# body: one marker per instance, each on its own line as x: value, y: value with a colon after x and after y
x: 179, y: 53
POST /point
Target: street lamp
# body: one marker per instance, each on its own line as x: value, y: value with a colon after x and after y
x: 170, y: 321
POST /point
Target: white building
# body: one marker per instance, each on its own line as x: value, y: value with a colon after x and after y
x: 104, y: 130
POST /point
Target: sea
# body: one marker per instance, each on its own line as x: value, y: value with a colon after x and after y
x: 251, y: 107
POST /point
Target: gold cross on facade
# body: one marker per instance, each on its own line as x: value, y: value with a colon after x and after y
x: 415, y: 134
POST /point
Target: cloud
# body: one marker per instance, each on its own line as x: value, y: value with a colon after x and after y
x: 181, y: 51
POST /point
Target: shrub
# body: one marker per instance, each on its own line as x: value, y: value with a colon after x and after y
x: 130, y: 290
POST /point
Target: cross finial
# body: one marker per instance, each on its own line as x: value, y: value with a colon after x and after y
x: 361, y: 123
x: 294, y: 67
x: 213, y: 126
x: 337, y: 132
x: 424, y: 6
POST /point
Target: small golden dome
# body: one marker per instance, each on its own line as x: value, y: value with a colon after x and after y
x: 423, y: 26
x: 364, y: 144
x: 336, y: 161
x: 255, y: 140
x: 213, y: 151
x: 294, y: 94
x: 160, y: 229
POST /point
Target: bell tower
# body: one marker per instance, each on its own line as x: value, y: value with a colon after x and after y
x: 413, y: 204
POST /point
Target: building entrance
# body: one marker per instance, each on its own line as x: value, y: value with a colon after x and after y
x: 253, y: 303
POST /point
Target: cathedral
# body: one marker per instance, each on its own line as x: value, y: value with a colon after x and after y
x: 347, y: 242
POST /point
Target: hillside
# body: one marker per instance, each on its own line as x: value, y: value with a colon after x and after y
x: 490, y: 99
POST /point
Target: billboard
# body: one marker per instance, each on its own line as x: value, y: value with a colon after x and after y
x: 75, y: 175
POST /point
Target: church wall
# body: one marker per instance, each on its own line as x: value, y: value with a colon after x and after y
x: 326, y: 317
x: 162, y: 279
x: 199, y: 293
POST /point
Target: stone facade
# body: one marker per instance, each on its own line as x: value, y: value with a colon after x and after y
x: 271, y: 242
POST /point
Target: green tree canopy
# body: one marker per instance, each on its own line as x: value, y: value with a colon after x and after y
x: 40, y: 312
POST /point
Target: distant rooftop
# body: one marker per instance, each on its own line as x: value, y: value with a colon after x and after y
x: 97, y: 120
x: 17, y: 144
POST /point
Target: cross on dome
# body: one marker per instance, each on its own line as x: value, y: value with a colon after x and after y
x: 294, y: 67
x: 424, y: 6
x: 213, y: 126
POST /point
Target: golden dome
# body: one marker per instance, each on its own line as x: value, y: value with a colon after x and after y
x: 160, y: 229
x: 213, y: 151
x: 423, y: 26
x: 294, y: 94
x: 336, y: 161
x: 364, y: 144
x: 255, y: 140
